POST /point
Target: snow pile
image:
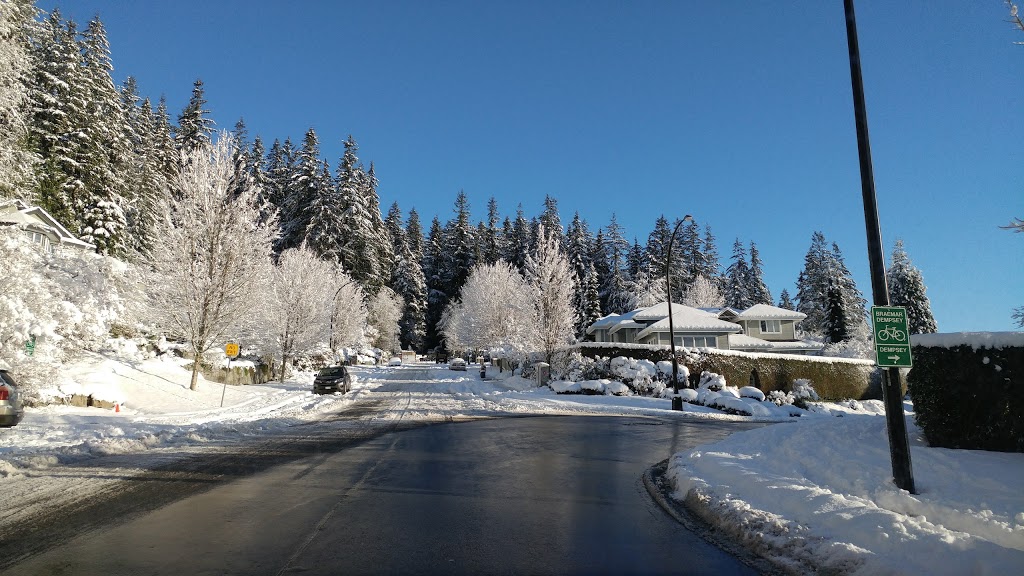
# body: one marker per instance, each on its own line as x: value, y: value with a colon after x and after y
x: 817, y: 496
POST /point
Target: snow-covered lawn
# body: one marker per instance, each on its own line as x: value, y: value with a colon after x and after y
x: 818, y: 497
x: 813, y: 494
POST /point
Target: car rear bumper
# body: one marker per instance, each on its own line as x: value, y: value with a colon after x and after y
x: 9, y: 416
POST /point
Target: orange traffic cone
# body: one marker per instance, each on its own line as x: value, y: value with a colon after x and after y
x: 117, y: 407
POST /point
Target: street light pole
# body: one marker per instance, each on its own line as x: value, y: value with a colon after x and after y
x: 671, y: 325
x: 899, y: 446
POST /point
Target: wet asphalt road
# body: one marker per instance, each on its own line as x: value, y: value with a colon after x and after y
x: 537, y: 495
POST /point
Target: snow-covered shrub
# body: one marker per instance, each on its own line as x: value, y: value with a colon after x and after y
x: 711, y: 381
x: 803, y: 392
x: 616, y: 389
x: 585, y: 368
x: 751, y: 392
x: 593, y: 386
x: 780, y: 398
x: 638, y: 374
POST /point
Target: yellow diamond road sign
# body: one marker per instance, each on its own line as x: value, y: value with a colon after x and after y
x: 892, y: 336
x: 231, y: 349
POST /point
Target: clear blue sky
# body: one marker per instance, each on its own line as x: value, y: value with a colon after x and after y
x: 739, y: 113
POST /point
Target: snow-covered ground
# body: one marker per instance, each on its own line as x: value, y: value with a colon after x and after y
x: 815, y: 494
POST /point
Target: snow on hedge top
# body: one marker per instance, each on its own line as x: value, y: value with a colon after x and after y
x: 973, y: 339
x: 764, y: 311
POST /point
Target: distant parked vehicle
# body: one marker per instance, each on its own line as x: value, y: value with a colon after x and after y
x: 458, y: 364
x: 11, y: 411
x: 395, y: 361
x: 332, y: 379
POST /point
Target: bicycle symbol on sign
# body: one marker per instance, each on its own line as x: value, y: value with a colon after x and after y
x: 893, y: 333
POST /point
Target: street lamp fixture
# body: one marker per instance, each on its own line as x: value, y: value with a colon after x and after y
x: 677, y: 403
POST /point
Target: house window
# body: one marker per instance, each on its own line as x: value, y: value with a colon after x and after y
x: 697, y: 341
x: 771, y: 327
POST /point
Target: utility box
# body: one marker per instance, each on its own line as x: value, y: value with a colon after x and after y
x: 542, y: 371
x: 408, y: 356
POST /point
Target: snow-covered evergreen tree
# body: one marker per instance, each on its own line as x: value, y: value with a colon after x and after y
x: 309, y: 195
x: 437, y: 298
x: 551, y: 221
x: 690, y: 262
x: 615, y: 291
x: 824, y: 288
x: 759, y: 293
x: 907, y: 289
x: 409, y: 283
x: 551, y: 276
x: 657, y: 245
x: 785, y: 301
x: 710, y: 266
x: 194, y: 127
x: 588, y: 301
x: 738, y: 280
x: 17, y: 159
x: 459, y: 247
x: 491, y: 248
x: 414, y: 234
x: 517, y: 243
x: 365, y: 249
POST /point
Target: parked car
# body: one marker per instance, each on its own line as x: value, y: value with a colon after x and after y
x: 332, y: 379
x: 458, y: 364
x: 395, y: 361
x: 11, y: 411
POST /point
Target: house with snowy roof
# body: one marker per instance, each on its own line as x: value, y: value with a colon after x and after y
x: 40, y: 226
x: 760, y: 328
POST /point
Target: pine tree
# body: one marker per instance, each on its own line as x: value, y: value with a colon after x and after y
x: 738, y: 280
x: 517, y: 242
x: 17, y: 160
x: 709, y: 265
x: 550, y: 220
x: 785, y: 302
x: 759, y: 293
x: 414, y: 234
x: 308, y: 195
x: 657, y: 245
x: 812, y: 284
x: 365, y: 249
x: 824, y: 288
x: 907, y: 289
x: 408, y: 282
x: 437, y: 299
x: 615, y: 294
x: 691, y: 256
x: 324, y: 230
x: 588, y: 301
x: 490, y: 236
x: 194, y: 128
x: 835, y: 325
x: 459, y: 242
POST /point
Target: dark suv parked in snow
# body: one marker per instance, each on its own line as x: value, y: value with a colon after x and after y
x: 332, y: 379
x: 11, y: 411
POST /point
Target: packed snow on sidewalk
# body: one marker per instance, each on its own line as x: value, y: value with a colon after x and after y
x: 818, y: 496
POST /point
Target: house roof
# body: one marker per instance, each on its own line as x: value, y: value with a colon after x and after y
x: 768, y: 312
x: 659, y: 311
x: 20, y: 213
x: 744, y: 342
x: 603, y: 323
x: 691, y: 320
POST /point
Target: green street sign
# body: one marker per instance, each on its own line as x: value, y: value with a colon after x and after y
x: 892, y: 337
x: 30, y: 346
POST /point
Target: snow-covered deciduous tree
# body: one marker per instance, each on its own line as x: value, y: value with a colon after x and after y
x: 348, y: 312
x: 495, y: 309
x: 16, y: 161
x: 906, y: 289
x: 647, y: 288
x: 299, y: 304
x: 703, y: 293
x: 211, y: 253
x: 554, y: 282
x: 384, y: 312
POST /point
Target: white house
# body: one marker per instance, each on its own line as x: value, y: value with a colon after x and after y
x: 760, y: 328
x: 40, y: 226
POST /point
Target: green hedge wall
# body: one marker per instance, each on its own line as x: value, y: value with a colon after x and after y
x: 833, y: 378
x: 969, y: 398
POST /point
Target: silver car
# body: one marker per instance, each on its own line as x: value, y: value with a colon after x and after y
x: 11, y: 411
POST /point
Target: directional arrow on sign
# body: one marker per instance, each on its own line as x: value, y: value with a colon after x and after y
x: 894, y: 358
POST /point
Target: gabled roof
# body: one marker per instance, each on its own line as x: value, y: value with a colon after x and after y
x: 626, y: 320
x: 691, y: 320
x: 659, y: 311
x: 604, y: 323
x: 20, y: 213
x: 744, y: 342
x: 768, y: 312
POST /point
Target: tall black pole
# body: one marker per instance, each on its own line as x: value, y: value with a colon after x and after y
x: 668, y: 291
x: 899, y: 446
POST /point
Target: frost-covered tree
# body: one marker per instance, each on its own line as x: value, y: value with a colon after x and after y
x: 411, y: 285
x: 194, y: 127
x: 457, y: 257
x: 365, y: 247
x: 646, y: 289
x: 550, y: 220
x: 709, y: 265
x: 738, y: 280
x: 824, y: 288
x: 17, y: 160
x: 588, y: 301
x: 906, y: 289
x: 703, y: 293
x: 299, y: 304
x: 384, y: 313
x: 210, y: 254
x: 759, y: 293
x: 310, y: 196
x: 495, y: 309
x: 554, y: 282
x: 348, y: 312
x: 615, y: 296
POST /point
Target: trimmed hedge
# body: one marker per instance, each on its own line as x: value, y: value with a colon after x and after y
x: 969, y: 397
x: 834, y: 379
